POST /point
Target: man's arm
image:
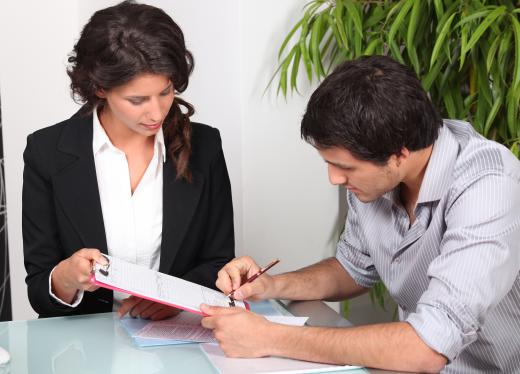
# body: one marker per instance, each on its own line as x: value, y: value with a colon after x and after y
x: 325, y: 280
x: 392, y: 346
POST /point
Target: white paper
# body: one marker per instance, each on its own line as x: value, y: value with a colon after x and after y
x: 227, y: 365
x: 141, y: 281
x: 187, y: 327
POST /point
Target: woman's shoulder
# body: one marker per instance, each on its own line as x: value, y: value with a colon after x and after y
x: 51, y: 134
x: 205, y: 137
x: 206, y: 144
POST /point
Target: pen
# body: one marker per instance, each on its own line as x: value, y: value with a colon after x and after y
x: 254, y: 276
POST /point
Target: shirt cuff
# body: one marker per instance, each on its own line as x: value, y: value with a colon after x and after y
x: 440, y: 331
x: 77, y: 299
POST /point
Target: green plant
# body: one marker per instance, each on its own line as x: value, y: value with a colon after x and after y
x: 466, y: 53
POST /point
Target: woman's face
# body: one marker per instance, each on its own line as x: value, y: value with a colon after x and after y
x: 140, y: 105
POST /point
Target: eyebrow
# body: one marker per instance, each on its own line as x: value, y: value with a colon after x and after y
x: 342, y: 166
x: 168, y: 87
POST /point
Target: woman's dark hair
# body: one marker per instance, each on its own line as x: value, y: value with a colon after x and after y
x: 373, y: 107
x: 119, y: 43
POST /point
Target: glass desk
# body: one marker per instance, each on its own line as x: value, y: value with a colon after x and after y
x: 98, y: 344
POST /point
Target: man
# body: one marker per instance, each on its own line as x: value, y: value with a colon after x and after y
x: 434, y: 212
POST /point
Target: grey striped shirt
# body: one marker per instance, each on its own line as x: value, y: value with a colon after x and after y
x: 455, y: 274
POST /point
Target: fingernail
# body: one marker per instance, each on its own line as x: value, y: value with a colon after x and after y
x: 238, y: 295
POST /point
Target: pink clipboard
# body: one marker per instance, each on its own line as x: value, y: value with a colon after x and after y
x: 99, y: 283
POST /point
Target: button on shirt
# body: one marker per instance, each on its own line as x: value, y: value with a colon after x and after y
x: 133, y: 222
x: 455, y: 272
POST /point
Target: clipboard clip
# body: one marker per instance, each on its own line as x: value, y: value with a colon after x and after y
x: 103, y: 269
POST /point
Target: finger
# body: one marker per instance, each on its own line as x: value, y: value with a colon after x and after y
x: 223, y: 282
x: 240, y: 269
x: 127, y: 305
x: 234, y: 271
x: 218, y: 310
x: 164, y: 313
x: 151, y: 309
x: 139, y: 307
x: 248, y: 290
x: 93, y: 254
x: 90, y: 288
x: 208, y: 322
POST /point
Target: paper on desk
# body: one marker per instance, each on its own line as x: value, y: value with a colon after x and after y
x: 148, y: 284
x: 187, y: 327
x: 227, y: 365
x: 133, y: 325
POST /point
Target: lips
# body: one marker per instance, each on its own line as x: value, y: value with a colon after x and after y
x: 152, y: 126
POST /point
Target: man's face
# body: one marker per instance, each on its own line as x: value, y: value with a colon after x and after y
x: 367, y: 180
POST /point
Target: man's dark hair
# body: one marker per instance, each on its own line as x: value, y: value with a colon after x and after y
x: 373, y: 107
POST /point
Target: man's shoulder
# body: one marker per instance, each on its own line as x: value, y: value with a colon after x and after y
x: 478, y: 156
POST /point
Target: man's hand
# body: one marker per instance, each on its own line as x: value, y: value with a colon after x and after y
x: 146, y: 309
x: 233, y: 275
x: 73, y: 274
x: 239, y: 332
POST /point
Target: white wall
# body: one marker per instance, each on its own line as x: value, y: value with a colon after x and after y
x: 284, y: 206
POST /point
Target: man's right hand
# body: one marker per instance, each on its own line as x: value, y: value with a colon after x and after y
x: 233, y: 275
x: 73, y: 274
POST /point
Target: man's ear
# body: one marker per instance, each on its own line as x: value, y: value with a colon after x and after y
x: 101, y: 93
x: 402, y: 156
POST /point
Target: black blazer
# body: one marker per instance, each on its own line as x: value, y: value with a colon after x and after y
x: 62, y: 211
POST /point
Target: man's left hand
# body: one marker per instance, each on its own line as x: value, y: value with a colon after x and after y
x: 239, y: 332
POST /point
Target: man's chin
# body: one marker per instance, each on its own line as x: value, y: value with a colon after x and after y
x: 363, y: 198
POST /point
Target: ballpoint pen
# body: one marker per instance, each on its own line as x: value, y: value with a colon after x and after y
x: 256, y: 275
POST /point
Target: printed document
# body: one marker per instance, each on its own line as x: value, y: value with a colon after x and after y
x: 187, y: 327
x: 148, y: 284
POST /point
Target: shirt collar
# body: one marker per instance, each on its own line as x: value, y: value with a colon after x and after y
x: 100, y: 139
x: 438, y: 175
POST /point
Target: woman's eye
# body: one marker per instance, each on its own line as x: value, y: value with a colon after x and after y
x: 166, y: 93
x: 135, y: 102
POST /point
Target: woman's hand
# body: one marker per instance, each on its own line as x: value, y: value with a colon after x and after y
x: 146, y: 309
x: 73, y: 274
x: 233, y: 275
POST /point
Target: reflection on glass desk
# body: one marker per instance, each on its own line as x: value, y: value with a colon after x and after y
x: 94, y: 344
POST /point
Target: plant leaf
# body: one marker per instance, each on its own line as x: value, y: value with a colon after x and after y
x: 356, y: 17
x: 483, y: 27
x: 516, y: 71
x: 491, y: 116
x: 440, y: 39
x: 288, y: 38
x: 407, y: 5
x: 492, y: 52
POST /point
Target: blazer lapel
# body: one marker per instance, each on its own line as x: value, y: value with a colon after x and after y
x: 76, y: 185
x: 180, y: 200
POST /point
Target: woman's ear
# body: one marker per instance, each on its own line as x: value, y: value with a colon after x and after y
x: 101, y: 93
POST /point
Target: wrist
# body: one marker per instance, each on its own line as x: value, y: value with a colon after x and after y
x: 61, y: 286
x: 274, y: 289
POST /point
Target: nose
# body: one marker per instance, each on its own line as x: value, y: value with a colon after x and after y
x: 337, y: 176
x: 154, y: 111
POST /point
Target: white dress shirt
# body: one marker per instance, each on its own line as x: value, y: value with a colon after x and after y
x: 133, y: 222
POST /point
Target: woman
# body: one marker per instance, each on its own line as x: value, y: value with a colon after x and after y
x: 128, y: 175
